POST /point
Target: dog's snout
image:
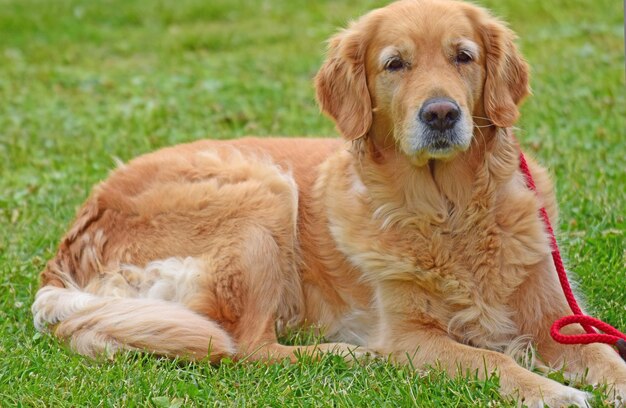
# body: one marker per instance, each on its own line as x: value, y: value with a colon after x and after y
x: 440, y: 113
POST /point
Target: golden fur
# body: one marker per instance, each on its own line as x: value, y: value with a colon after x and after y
x: 430, y: 256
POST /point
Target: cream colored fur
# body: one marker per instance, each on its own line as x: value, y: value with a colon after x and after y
x: 432, y: 257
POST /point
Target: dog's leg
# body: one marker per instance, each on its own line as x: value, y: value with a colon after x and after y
x: 538, y: 303
x: 595, y: 364
x: 246, y: 290
x: 428, y: 347
x: 410, y: 336
x: 273, y: 351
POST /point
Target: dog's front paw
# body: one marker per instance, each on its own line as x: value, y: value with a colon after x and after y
x: 359, y: 355
x: 556, y: 396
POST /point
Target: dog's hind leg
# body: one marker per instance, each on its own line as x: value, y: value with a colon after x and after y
x: 253, y: 287
x: 277, y: 352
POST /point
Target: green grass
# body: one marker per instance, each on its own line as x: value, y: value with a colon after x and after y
x: 82, y: 83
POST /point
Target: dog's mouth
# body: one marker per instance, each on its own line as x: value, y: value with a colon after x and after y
x: 424, y: 143
x: 442, y: 150
x: 443, y: 145
x: 440, y: 145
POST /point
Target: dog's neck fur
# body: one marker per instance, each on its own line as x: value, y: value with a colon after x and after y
x: 439, y: 190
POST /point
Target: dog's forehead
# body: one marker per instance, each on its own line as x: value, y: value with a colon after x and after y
x: 425, y: 23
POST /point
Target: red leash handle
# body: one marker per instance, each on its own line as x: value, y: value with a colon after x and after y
x: 611, y: 335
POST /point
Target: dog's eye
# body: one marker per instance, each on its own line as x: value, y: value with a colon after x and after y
x: 463, y: 57
x: 395, y: 64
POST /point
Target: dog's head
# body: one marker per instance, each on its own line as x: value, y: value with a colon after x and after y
x: 419, y: 75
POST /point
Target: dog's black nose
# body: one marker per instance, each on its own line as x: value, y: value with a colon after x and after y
x: 440, y: 113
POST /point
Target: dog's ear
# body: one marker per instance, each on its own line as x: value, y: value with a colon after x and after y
x: 506, y: 82
x: 341, y: 84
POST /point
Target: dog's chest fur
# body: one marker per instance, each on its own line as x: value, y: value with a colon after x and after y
x: 457, y: 259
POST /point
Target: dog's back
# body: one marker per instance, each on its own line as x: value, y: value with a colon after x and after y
x: 134, y: 269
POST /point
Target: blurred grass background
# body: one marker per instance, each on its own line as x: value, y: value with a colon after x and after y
x: 82, y: 83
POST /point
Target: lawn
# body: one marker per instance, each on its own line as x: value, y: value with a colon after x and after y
x: 83, y: 84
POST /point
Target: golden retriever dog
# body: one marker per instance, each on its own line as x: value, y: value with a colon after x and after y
x: 414, y: 236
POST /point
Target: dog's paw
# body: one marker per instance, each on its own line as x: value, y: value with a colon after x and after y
x: 558, y: 396
x: 359, y: 355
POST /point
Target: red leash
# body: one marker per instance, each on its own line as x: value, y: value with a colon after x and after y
x: 611, y: 335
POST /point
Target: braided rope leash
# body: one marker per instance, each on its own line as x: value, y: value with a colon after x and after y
x: 611, y: 335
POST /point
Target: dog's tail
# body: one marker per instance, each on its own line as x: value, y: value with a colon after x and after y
x: 100, y: 322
